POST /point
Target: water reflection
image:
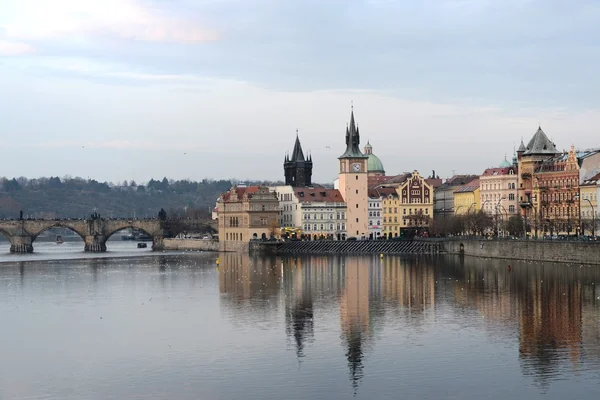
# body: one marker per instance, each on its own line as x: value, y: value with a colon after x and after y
x: 544, y: 309
x: 298, y: 327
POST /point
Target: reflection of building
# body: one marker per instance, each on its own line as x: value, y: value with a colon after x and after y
x: 550, y: 320
x: 248, y: 284
x: 408, y: 285
x: 354, y: 315
x: 246, y: 213
x: 299, y: 306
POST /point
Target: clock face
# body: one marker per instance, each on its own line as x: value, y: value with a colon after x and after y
x: 356, y: 167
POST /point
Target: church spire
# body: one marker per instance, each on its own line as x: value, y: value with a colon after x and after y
x: 352, y: 139
x: 297, y: 154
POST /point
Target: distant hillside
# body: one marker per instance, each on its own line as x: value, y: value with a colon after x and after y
x: 76, y: 197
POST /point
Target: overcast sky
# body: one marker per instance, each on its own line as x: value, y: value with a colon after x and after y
x: 133, y: 89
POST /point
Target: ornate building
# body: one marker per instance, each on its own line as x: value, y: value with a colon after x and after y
x: 416, y: 205
x: 353, y: 183
x: 539, y: 149
x: 297, y: 168
x: 374, y: 164
x: 555, y: 199
x: 246, y: 213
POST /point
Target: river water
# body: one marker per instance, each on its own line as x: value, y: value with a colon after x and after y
x: 133, y: 324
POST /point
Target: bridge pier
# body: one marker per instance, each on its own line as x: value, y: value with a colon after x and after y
x: 95, y: 243
x: 158, y: 243
x: 21, y: 244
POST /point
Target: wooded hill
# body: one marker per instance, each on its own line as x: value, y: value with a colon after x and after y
x: 77, y: 197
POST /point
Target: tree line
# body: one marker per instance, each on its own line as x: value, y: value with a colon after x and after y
x: 76, y: 197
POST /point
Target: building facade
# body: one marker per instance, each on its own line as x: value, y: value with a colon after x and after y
x: 444, y: 196
x: 390, y: 211
x: 246, y: 213
x: 498, y: 189
x: 416, y: 205
x: 467, y: 198
x: 375, y: 214
x: 323, y: 213
x: 353, y: 183
x: 297, y: 168
x: 589, y: 191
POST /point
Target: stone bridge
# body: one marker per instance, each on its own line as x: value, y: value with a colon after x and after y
x: 94, y: 231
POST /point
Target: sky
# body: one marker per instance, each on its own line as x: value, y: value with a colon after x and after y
x: 140, y: 89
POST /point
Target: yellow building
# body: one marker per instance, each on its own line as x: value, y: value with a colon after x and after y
x: 416, y: 205
x: 390, y: 206
x: 467, y: 198
x: 246, y: 213
x: 588, y: 203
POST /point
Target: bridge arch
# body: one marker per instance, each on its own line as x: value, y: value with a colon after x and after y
x: 57, y: 224
x: 5, y: 234
x: 114, y: 230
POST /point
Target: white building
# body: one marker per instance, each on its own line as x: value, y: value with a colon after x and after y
x: 375, y: 213
x: 290, y: 213
x: 317, y: 212
x: 323, y: 213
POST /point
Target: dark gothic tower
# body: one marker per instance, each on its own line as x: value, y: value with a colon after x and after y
x: 297, y: 169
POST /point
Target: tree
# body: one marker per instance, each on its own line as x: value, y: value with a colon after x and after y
x: 514, y: 225
x: 274, y: 229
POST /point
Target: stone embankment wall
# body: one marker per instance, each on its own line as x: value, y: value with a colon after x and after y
x: 528, y: 250
x: 190, y: 244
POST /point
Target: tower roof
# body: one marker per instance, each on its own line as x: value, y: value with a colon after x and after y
x: 297, y: 154
x: 521, y: 147
x: 352, y: 140
x: 504, y: 163
x: 540, y: 144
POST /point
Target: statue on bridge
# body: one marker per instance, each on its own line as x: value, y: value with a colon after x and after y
x: 162, y: 214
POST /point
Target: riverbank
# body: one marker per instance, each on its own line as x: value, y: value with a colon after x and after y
x: 572, y: 252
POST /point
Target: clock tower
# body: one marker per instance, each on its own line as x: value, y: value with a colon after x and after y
x: 353, y: 183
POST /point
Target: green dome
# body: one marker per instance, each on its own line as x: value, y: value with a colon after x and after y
x: 374, y: 164
x: 505, y: 163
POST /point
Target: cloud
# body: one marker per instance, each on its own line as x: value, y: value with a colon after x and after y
x: 75, y: 20
x: 10, y: 48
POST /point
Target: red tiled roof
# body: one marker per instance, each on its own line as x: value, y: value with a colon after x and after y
x: 240, y: 192
x: 498, y: 171
x: 309, y: 195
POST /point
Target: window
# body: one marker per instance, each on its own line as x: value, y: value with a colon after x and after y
x: 356, y: 219
x: 357, y: 206
x: 356, y: 191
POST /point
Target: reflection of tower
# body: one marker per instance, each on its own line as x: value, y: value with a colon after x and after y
x: 299, y: 307
x: 354, y: 314
x: 551, y: 312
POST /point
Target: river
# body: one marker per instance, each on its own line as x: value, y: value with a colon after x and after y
x: 133, y: 324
